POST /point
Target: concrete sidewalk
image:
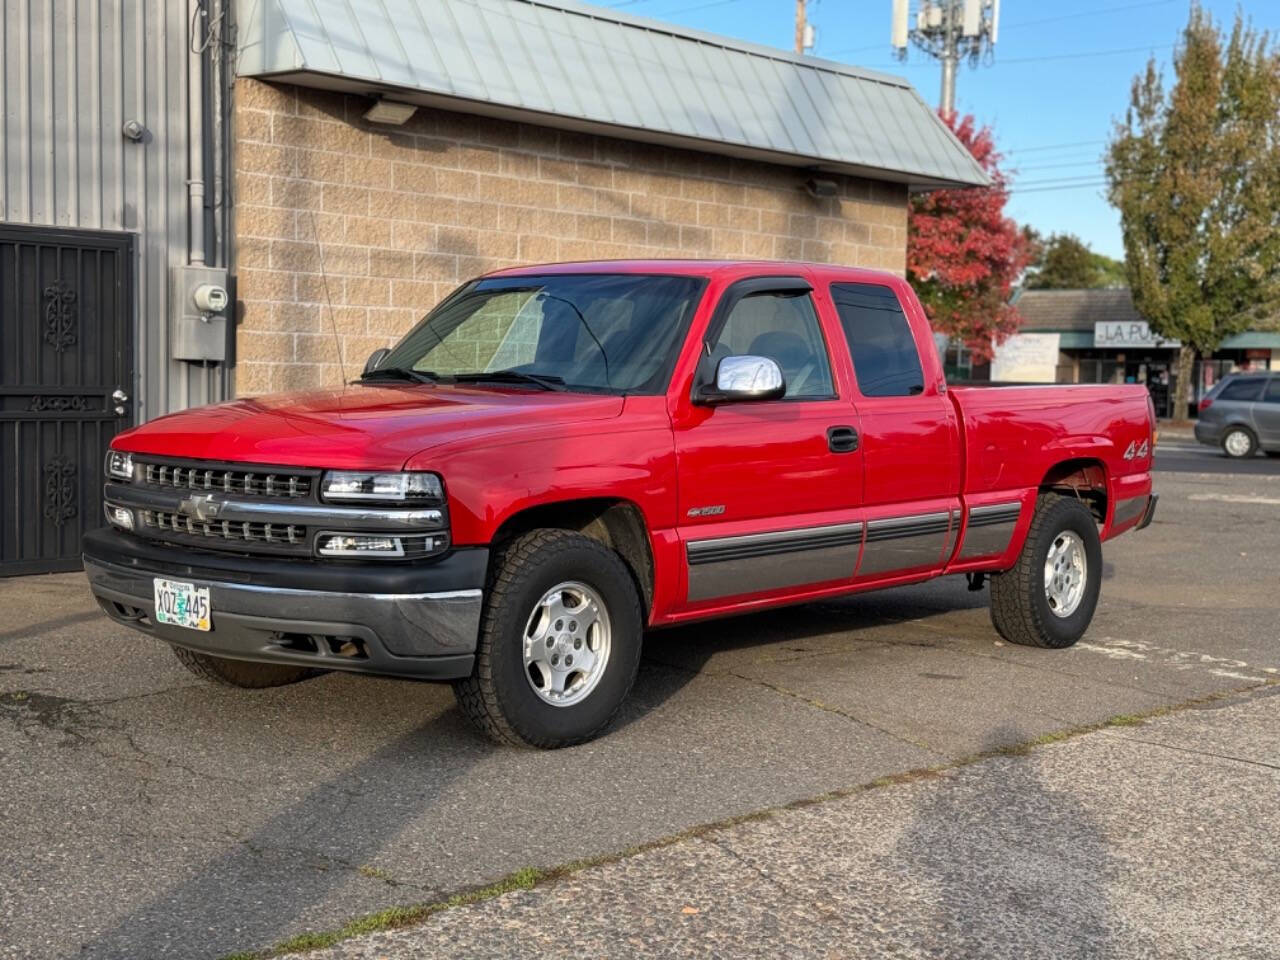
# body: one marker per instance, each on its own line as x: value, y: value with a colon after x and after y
x: 1153, y: 839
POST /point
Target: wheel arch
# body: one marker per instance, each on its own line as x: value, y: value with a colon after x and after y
x: 1084, y: 478
x: 616, y: 522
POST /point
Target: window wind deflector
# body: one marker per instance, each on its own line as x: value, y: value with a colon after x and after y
x: 400, y: 373
x: 545, y: 381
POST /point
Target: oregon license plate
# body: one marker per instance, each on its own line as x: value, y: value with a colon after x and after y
x: 182, y: 604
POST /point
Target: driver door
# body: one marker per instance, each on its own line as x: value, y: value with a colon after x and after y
x: 768, y: 490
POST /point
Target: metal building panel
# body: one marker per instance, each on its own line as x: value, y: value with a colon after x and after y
x: 601, y: 69
x: 73, y: 73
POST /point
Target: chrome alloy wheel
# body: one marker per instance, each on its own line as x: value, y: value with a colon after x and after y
x: 566, y: 643
x: 1237, y: 443
x: 1065, y: 571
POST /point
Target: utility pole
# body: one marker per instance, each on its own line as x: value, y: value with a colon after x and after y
x: 805, y: 34
x: 948, y: 30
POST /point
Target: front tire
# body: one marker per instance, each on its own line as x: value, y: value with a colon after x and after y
x: 559, y: 642
x: 1239, y: 443
x: 241, y: 673
x: 1048, y: 598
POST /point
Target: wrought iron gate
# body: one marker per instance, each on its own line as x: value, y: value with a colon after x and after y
x: 66, y: 372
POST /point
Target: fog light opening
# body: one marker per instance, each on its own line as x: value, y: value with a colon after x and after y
x: 358, y: 545
x: 121, y: 517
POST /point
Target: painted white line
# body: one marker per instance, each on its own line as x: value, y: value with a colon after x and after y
x: 1235, y: 498
x: 1118, y: 649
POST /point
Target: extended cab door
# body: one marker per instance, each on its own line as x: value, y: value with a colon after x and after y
x: 909, y: 432
x: 768, y: 489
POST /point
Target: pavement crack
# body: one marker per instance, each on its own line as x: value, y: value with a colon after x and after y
x: 1193, y: 750
x: 839, y: 712
x: 732, y: 854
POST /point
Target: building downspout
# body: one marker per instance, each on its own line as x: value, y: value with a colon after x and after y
x: 197, y: 17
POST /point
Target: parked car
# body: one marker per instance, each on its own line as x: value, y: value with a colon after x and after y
x: 1241, y: 414
x: 558, y: 458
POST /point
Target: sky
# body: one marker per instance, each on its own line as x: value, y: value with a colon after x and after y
x: 1058, y: 81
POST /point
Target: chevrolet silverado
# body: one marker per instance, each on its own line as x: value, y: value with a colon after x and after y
x: 558, y: 458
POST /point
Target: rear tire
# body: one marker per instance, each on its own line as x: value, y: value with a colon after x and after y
x: 538, y: 583
x: 1239, y: 443
x: 241, y: 673
x: 1025, y: 611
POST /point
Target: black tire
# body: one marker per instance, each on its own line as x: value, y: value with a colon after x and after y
x: 241, y: 673
x: 1248, y: 434
x: 1019, y: 608
x: 498, y: 697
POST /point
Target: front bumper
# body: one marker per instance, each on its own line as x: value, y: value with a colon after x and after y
x: 416, y: 620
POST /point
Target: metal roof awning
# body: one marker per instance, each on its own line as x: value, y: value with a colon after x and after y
x: 595, y: 70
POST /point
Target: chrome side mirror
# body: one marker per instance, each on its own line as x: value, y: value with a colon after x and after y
x: 740, y: 379
x: 376, y: 358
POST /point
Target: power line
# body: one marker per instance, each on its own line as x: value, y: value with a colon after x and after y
x: 1088, y: 13
x: 1009, y: 26
x: 1058, y: 166
x: 1062, y: 186
x: 1045, y: 58
x: 1053, y: 146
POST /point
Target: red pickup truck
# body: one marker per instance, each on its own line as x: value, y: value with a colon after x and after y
x: 557, y: 458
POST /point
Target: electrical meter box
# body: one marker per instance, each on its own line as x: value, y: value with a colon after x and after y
x: 199, y: 307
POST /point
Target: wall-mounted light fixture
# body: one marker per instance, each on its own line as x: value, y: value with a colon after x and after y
x: 821, y: 189
x: 390, y: 111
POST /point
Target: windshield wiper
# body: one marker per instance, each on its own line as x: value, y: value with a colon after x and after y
x: 544, y: 380
x: 400, y: 373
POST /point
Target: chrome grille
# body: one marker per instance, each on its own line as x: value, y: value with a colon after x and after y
x: 225, y: 530
x: 252, y: 483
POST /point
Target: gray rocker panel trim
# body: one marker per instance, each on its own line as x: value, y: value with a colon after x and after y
x: 990, y: 529
x: 726, y: 566
x: 1126, y: 510
x: 901, y: 543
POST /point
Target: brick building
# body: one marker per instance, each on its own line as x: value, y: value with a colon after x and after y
x: 342, y: 166
x: 577, y: 157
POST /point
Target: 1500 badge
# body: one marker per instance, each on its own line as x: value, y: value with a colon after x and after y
x: 707, y: 511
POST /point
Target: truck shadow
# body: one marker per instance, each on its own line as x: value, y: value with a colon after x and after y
x: 673, y: 657
x: 998, y: 862
x: 284, y: 876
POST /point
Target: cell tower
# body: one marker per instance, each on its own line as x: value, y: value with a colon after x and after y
x: 949, y: 30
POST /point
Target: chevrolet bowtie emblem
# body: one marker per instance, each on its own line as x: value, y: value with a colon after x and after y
x: 200, y: 507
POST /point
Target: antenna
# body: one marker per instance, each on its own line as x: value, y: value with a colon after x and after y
x: 333, y: 323
x: 947, y: 30
x: 899, y: 34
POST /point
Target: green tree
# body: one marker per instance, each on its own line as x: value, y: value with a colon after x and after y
x: 1065, y: 262
x: 1195, y: 174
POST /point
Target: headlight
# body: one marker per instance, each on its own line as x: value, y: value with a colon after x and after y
x: 119, y: 465
x: 344, y: 486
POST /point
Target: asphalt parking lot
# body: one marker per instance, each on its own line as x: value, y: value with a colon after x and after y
x: 146, y: 814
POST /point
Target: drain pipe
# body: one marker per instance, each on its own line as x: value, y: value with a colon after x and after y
x: 198, y: 20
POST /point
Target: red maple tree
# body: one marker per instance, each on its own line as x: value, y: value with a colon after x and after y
x: 964, y: 254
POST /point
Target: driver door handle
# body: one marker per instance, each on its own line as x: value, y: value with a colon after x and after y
x: 842, y: 439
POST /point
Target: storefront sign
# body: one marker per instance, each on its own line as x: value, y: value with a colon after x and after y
x: 1026, y: 358
x: 1135, y: 334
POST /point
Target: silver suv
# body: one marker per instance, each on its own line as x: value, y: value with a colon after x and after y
x: 1241, y: 414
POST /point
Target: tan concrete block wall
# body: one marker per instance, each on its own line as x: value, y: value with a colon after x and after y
x: 380, y: 223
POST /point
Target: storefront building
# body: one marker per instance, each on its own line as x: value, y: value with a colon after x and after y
x: 212, y: 198
x: 1098, y: 336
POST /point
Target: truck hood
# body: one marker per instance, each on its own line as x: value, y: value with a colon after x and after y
x: 371, y: 427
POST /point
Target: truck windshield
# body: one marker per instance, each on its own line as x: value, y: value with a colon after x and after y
x: 609, y: 333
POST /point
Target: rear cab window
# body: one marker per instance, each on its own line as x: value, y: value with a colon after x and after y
x: 885, y: 358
